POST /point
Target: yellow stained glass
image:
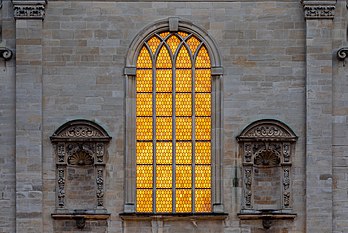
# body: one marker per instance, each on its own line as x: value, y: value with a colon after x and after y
x: 144, y: 200
x: 144, y: 80
x: 183, y: 128
x: 203, y: 59
x: 203, y: 128
x: 183, y: 60
x: 203, y: 153
x: 173, y: 43
x: 144, y: 104
x: 144, y: 59
x: 183, y: 105
x: 183, y: 200
x: 183, y: 176
x: 183, y: 34
x: 203, y: 176
x: 183, y: 153
x: 144, y: 153
x: 164, y: 34
x: 163, y: 176
x: 163, y: 59
x: 154, y: 43
x: 164, y: 104
x: 203, y: 80
x: 144, y: 128
x: 164, y: 200
x: 164, y: 152
x: 163, y: 128
x: 202, y: 200
x: 183, y: 80
x: 144, y: 176
x: 163, y: 80
x: 203, y: 104
x: 193, y: 42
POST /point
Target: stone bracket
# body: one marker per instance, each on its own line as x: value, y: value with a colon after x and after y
x: 6, y: 53
x: 342, y: 53
x: 80, y: 218
x: 315, y: 9
x: 30, y: 9
x: 267, y: 218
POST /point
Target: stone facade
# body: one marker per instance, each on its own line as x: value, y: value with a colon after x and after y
x: 64, y: 107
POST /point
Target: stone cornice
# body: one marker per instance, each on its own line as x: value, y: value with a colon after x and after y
x: 319, y: 9
x: 29, y: 9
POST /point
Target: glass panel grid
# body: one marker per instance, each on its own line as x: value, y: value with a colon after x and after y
x: 163, y: 59
x: 183, y: 34
x: 154, y: 43
x: 173, y: 43
x: 144, y: 59
x: 202, y: 176
x: 203, y: 128
x: 183, y: 60
x: 203, y: 59
x: 203, y: 153
x: 183, y: 128
x: 144, y: 176
x: 164, y: 80
x: 203, y: 80
x: 183, y: 81
x: 183, y: 176
x: 144, y: 128
x: 183, y: 105
x: 193, y: 42
x: 202, y: 200
x: 203, y: 104
x: 163, y: 128
x: 183, y: 153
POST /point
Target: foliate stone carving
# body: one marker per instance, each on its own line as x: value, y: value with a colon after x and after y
x: 286, y: 187
x: 267, y: 158
x: 319, y: 9
x: 286, y: 152
x: 81, y: 132
x: 286, y: 179
x: 286, y: 197
x: 268, y: 131
x: 61, y: 152
x: 34, y: 9
x: 247, y: 184
x: 61, y: 184
x: 342, y: 53
x: 100, y: 185
x: 100, y: 152
x: 247, y: 152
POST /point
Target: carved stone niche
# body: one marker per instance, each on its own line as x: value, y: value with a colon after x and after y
x: 267, y: 148
x: 80, y: 151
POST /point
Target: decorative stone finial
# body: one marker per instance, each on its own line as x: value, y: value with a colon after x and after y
x: 29, y: 9
x: 319, y: 9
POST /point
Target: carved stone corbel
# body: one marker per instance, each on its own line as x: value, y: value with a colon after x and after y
x: 315, y: 9
x: 342, y: 53
x: 29, y: 9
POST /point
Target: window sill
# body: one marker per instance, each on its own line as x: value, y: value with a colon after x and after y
x: 86, y: 214
x: 172, y: 217
x: 267, y: 216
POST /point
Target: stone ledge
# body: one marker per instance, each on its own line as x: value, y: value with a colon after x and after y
x: 261, y: 216
x: 96, y: 216
x: 173, y: 217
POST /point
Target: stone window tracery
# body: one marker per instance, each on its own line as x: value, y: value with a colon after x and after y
x: 171, y: 152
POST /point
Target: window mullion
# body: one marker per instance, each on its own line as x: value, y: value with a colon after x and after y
x: 154, y: 135
x: 193, y: 138
x: 173, y: 138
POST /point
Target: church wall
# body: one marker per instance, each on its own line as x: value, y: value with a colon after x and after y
x: 84, y: 49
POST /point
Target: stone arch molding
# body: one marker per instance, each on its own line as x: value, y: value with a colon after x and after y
x: 80, y: 151
x: 173, y: 24
x: 267, y: 147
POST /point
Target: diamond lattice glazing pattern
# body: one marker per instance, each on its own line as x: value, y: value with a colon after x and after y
x: 203, y: 80
x: 144, y: 153
x: 183, y: 80
x: 203, y: 153
x: 163, y: 128
x: 144, y: 104
x: 144, y: 176
x: 203, y: 176
x: 183, y: 200
x: 153, y: 44
x: 144, y: 200
x: 183, y: 60
x: 203, y: 59
x: 163, y: 80
x: 183, y: 128
x: 203, y: 104
x: 144, y: 128
x: 164, y: 200
x: 164, y: 104
x: 202, y: 200
x: 163, y: 176
x: 164, y: 153
x: 163, y: 59
x: 173, y: 43
x: 144, y: 80
x: 183, y: 153
x: 193, y: 43
x: 183, y: 176
x: 144, y: 59
x: 203, y: 128
x: 183, y: 105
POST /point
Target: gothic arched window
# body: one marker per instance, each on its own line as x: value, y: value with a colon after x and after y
x: 171, y: 158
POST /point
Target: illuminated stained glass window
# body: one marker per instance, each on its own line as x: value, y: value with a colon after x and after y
x: 173, y: 125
